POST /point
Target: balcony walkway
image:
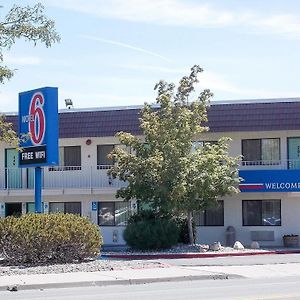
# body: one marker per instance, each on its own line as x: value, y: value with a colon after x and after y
x: 58, y: 179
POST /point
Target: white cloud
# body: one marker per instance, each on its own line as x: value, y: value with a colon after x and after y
x: 284, y: 24
x: 21, y: 60
x: 217, y: 83
x: 186, y: 13
x: 167, y: 12
x: 124, y: 45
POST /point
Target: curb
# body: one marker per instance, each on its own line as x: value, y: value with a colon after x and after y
x: 15, y: 288
x: 194, y: 255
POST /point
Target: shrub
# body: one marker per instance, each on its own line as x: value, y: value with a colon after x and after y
x: 182, y: 225
x: 151, y: 233
x: 49, y: 238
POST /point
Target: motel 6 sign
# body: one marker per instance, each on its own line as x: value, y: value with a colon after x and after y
x: 38, y: 127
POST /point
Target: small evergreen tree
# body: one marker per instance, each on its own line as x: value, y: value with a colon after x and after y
x: 162, y: 170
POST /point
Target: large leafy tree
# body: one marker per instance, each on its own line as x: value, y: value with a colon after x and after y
x: 31, y: 24
x: 164, y: 168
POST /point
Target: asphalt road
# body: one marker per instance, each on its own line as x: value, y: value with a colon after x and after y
x: 236, y: 260
x: 286, y: 288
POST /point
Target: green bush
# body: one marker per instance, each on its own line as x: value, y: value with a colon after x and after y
x: 151, y: 233
x: 49, y: 238
x: 182, y: 225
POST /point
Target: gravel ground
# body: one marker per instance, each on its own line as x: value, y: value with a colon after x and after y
x: 109, y: 264
x: 93, y: 266
x: 183, y: 249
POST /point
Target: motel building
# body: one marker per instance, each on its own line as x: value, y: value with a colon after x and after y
x: 265, y: 132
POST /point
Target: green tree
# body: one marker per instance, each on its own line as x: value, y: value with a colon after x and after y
x: 31, y: 24
x: 162, y: 169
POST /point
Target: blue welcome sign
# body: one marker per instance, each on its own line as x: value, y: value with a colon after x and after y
x: 270, y: 181
x: 38, y: 127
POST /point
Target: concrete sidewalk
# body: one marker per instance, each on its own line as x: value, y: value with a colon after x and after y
x: 153, y: 274
x: 148, y: 275
x: 104, y: 278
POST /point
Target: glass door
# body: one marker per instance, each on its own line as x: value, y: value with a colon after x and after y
x: 13, y: 172
x: 294, y: 153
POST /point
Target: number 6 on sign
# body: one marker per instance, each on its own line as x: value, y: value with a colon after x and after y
x: 37, y: 123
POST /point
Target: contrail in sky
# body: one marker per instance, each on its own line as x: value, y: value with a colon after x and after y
x: 120, y: 44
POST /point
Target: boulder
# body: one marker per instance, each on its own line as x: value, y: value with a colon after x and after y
x: 238, y: 246
x: 203, y: 248
x: 216, y: 246
x: 254, y: 245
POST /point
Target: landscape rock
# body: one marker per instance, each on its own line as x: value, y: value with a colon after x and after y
x: 254, y: 245
x: 114, y: 264
x: 203, y: 248
x: 238, y: 246
x: 216, y: 246
x: 12, y: 288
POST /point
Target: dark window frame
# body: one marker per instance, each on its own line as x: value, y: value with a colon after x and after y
x: 63, y: 166
x: 260, y: 161
x: 114, y: 214
x: 205, y: 217
x: 104, y: 166
x: 65, y: 206
x: 288, y: 150
x: 261, y: 201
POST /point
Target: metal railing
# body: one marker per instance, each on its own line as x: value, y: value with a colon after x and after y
x: 270, y: 164
x: 93, y: 177
x: 60, y: 177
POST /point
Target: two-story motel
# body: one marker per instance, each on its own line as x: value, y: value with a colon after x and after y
x: 265, y: 132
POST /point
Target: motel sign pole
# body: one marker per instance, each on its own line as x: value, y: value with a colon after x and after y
x: 38, y: 190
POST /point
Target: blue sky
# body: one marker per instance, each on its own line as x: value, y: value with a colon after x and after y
x: 113, y: 52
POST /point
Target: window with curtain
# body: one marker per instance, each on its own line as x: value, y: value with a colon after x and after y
x: 211, y: 217
x: 72, y: 157
x: 261, y: 151
x: 270, y: 149
x: 113, y: 213
x: 103, y: 162
x: 56, y: 207
x: 65, y: 207
x: 261, y: 213
x: 122, y: 213
x: 69, y: 159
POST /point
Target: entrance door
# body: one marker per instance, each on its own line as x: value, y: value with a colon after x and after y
x: 13, y: 173
x: 294, y: 153
x: 13, y: 209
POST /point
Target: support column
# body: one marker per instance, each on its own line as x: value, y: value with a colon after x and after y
x: 38, y: 190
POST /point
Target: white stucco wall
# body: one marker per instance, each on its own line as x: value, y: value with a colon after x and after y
x: 290, y: 202
x: 290, y: 211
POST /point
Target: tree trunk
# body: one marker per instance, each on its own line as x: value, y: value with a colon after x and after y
x: 190, y: 227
